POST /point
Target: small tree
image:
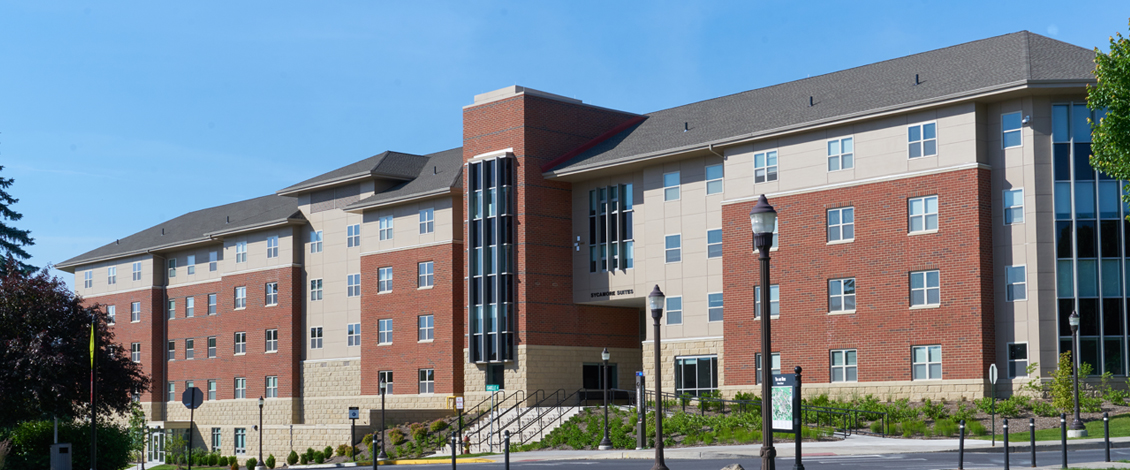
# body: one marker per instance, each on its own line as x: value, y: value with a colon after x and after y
x: 1111, y: 135
x: 137, y: 429
x: 1062, y: 385
x: 292, y: 458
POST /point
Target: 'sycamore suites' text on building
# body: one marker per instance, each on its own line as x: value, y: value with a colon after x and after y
x: 937, y: 214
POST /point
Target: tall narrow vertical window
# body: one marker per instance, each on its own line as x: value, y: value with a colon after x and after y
x: 190, y: 264
x: 316, y: 241
x: 841, y: 224
x: 353, y: 334
x: 135, y: 352
x: 673, y: 248
x: 111, y: 313
x: 1010, y: 130
x: 714, y: 179
x: 674, y: 310
x: 272, y: 341
x: 843, y: 365
x: 240, y: 392
x: 925, y: 288
x: 315, y: 289
x: 171, y: 391
x: 714, y: 243
x: 88, y: 279
x: 135, y: 312
x: 765, y: 166
x: 316, y: 337
x: 1017, y: 360
x: 774, y: 301
x: 384, y: 331
x: 172, y: 311
x: 171, y: 350
x: 272, y: 386
x: 385, y: 226
x: 426, y: 325
x: 922, y: 140
x: 1016, y: 281
x: 213, y: 260
x: 240, y: 297
x: 189, y: 349
x: 272, y: 247
x: 714, y: 306
x: 241, y: 252
x: 841, y: 295
x: 241, y: 342
x: 211, y: 304
x: 427, y: 220
x: 189, y: 307
x: 353, y: 234
x: 491, y: 283
x: 774, y: 366
x: 427, y: 380
x: 172, y: 267
x: 426, y: 274
x: 137, y: 271
x: 271, y: 293
x: 111, y: 275
x: 385, y: 377
x: 215, y: 431
x: 923, y: 214
x: 841, y: 154
x: 671, y: 186
x: 926, y: 362
x: 212, y: 396
x: 384, y: 279
x: 353, y: 285
x: 1013, y: 206
x: 240, y: 435
x: 211, y: 347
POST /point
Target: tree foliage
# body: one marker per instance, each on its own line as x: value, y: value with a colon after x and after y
x: 1110, y: 136
x: 45, y: 350
x: 12, y: 240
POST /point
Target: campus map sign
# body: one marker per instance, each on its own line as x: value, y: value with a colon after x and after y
x: 785, y: 394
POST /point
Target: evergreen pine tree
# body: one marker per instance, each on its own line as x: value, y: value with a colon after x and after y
x: 12, y: 240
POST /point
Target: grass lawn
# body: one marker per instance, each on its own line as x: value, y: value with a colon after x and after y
x: 1119, y: 427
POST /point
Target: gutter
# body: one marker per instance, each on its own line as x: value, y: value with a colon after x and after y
x: 357, y: 208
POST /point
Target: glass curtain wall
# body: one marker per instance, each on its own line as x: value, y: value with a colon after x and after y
x: 491, y: 288
x: 611, y: 245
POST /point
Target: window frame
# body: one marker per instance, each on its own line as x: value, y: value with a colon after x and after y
x: 670, y: 317
x: 134, y: 312
x: 766, y: 156
x: 711, y: 308
x: 1005, y: 132
x: 190, y: 265
x: 240, y: 299
x: 425, y: 278
x: 212, y: 301
x: 272, y: 246
x: 709, y: 245
x: 135, y: 352
x: 720, y: 179
x: 757, y: 301
x: 427, y: 220
x: 272, y: 386
x: 384, y: 331
x: 1010, y: 361
x: 271, y: 294
x: 925, y: 288
x: 240, y: 390
x: 1008, y: 284
x: 667, y: 250
x: 384, y: 279
x: 111, y: 314
x: 213, y: 260
x: 315, y: 241
x: 315, y: 290
x: 844, y: 367
x: 240, y: 343
x: 774, y: 357
x: 425, y: 326
x: 840, y: 227
x: 925, y: 215
x: 427, y: 381
x: 1006, y: 209
x: 922, y: 139
x: 137, y: 270
x: 914, y: 363
x: 112, y: 275
x: 843, y: 295
x: 172, y: 265
x: 672, y: 192
x: 189, y: 306
x: 385, y: 226
x: 171, y: 309
x: 680, y: 362
x: 241, y: 252
x: 317, y: 337
x: 171, y: 350
x: 240, y: 441
x: 88, y: 279
x: 352, y: 235
x: 271, y: 340
x: 353, y: 334
x: 387, y: 375
x: 212, y: 389
x: 839, y: 156
x: 189, y: 349
x: 211, y: 346
x: 353, y: 285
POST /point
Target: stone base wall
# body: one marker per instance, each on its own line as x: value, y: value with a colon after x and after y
x: 549, y: 368
x: 949, y: 390
x: 669, y: 350
x: 332, y: 378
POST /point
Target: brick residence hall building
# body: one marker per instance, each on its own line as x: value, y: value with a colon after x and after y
x: 937, y: 214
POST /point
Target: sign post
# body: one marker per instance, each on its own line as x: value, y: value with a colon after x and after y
x: 354, y: 413
x: 993, y: 405
x: 797, y: 464
x: 459, y: 424
x: 641, y: 410
x: 192, y: 398
x: 493, y: 389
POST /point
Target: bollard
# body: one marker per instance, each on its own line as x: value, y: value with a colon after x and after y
x: 373, y: 452
x: 454, y: 448
x: 1106, y: 435
x: 1032, y: 437
x: 1004, y: 431
x: 506, y: 450
x: 1063, y: 437
x: 961, y: 446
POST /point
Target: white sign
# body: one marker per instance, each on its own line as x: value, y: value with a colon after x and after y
x: 993, y: 374
x: 459, y: 403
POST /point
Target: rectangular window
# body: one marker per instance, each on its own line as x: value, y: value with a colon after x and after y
x: 273, y: 246
x: 212, y: 389
x: 1013, y: 206
x: 315, y: 290
x: 385, y: 377
x: 384, y: 279
x: 353, y: 235
x: 774, y: 301
x: 841, y: 224
x: 211, y: 304
x: 172, y: 267
x: 240, y: 297
x: 385, y: 226
x: 189, y: 307
x: 172, y: 311
x: 190, y: 265
x: 189, y: 349
x: 111, y: 275
x: 171, y: 389
x: 135, y: 312
x: 1010, y: 130
x: 213, y: 259
x: 135, y: 352
x: 714, y: 306
x: 240, y: 440
x: 714, y: 179
x: 674, y: 248
x: 426, y: 274
x: 1016, y: 281
x: 923, y: 213
x: 384, y: 331
x: 353, y: 285
x: 427, y: 220
x: 1017, y: 360
x: 241, y: 342
x: 427, y: 380
x: 111, y: 313
x: 426, y: 325
x: 353, y: 334
x: 926, y: 362
x: 272, y: 342
x: 775, y: 366
x: 316, y: 337
x: 215, y: 435
x: 271, y: 293
x: 671, y: 186
x: 272, y: 386
x: 765, y: 166
x: 843, y: 365
x: 88, y: 279
x: 211, y: 347
x: 925, y: 288
x: 240, y: 388
x: 171, y: 353
x: 674, y: 310
x: 137, y: 271
x: 841, y: 295
x: 241, y: 252
x: 922, y: 140
x: 841, y: 154
x: 316, y: 241
x: 714, y: 243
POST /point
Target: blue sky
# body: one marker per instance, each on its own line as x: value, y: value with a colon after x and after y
x: 115, y: 117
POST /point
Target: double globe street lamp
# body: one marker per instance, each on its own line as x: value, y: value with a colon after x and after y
x: 762, y: 219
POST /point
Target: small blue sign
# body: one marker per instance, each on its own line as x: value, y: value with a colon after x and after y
x: 639, y: 373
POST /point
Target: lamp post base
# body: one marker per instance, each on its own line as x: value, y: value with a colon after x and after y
x: 260, y: 466
x: 604, y: 447
x: 1073, y: 433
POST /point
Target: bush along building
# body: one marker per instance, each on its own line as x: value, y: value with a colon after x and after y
x: 937, y: 214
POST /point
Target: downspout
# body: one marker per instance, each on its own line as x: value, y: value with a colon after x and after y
x: 711, y: 149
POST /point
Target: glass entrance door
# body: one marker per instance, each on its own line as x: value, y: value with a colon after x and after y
x: 155, y: 449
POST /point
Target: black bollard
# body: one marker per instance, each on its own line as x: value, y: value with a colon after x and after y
x: 1004, y: 430
x: 1106, y: 435
x: 1032, y: 437
x: 373, y: 452
x: 961, y: 445
x: 1063, y: 437
x: 506, y: 449
x: 454, y: 448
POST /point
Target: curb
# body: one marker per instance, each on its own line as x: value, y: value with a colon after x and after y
x: 434, y: 461
x: 1026, y: 447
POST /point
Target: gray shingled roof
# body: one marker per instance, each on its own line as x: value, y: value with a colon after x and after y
x: 979, y: 65
x: 389, y: 164
x: 195, y: 226
x: 443, y: 171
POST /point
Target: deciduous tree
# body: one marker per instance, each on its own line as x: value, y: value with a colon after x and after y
x: 1110, y: 136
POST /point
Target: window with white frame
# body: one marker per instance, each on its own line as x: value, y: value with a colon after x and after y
x: 112, y: 275
x: 385, y: 377
x: 925, y: 288
x: 137, y: 271
x: 240, y: 297
x: 212, y: 389
x: 272, y: 343
x: 189, y: 307
x: 241, y: 252
x: 172, y: 262
x: 674, y: 310
x: 171, y: 390
x: 353, y: 285
x: 190, y: 265
x: 843, y: 366
x: 841, y: 154
x: 427, y: 380
x: 926, y: 362
x: 315, y: 289
x: 211, y: 347
x: 923, y: 213
x: 427, y: 220
x: 384, y: 279
x: 240, y: 440
x: 1010, y: 130
x: 426, y: 274
x: 135, y: 352
x: 190, y: 349
x: 353, y: 334
x: 775, y: 365
x: 240, y: 392
x: 673, y: 248
x: 111, y: 313
x: 213, y: 260
x: 696, y: 375
x: 384, y: 331
x: 714, y: 306
x: 272, y: 386
x: 714, y: 243
x: 426, y: 324
x: 241, y: 342
x: 316, y: 241
x: 135, y: 312
x: 774, y: 300
x: 316, y: 337
x: 88, y: 279
x: 172, y: 310
x: 1016, y: 280
x: 215, y: 432
x: 922, y: 140
x: 1013, y: 206
x: 171, y: 351
x: 841, y: 295
x: 841, y: 224
x: 271, y: 293
x: 353, y: 235
x: 1017, y: 360
x: 714, y: 179
x: 765, y: 166
x: 273, y: 246
x: 384, y: 224
x: 671, y: 184
x: 211, y: 304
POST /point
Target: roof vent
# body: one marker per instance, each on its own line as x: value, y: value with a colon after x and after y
x: 811, y: 102
x: 229, y: 220
x: 435, y: 170
x: 118, y: 241
x: 916, y: 81
x: 162, y: 231
x: 686, y: 126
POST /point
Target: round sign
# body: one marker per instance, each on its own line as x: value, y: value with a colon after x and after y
x: 192, y: 398
x: 993, y: 374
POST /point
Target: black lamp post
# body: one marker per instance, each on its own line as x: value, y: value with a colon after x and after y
x: 606, y: 443
x: 1077, y: 427
x: 384, y: 386
x: 762, y: 219
x: 260, y: 462
x: 655, y: 302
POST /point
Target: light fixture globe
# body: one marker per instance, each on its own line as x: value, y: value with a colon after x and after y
x: 260, y: 401
x: 762, y: 218
x: 604, y: 354
x: 655, y: 299
x: 1073, y: 320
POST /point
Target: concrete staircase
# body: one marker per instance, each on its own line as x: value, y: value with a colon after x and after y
x: 526, y: 425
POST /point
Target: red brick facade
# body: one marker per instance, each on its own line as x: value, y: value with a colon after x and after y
x: 884, y: 327
x: 149, y: 331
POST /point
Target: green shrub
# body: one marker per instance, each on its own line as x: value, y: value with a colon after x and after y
x: 913, y: 427
x: 319, y: 457
x: 250, y: 463
x: 270, y: 461
x: 877, y: 427
x: 964, y: 412
x: 31, y: 439
x: 419, y: 432
x: 976, y: 428
x: 214, y: 459
x: 292, y: 458
x: 396, y: 437
x: 1044, y: 409
x: 303, y: 460
x: 234, y: 466
x: 309, y: 453
x: 340, y: 452
x: 328, y: 452
x: 233, y: 460
x: 438, y: 425
x: 945, y: 427
x: 935, y: 411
